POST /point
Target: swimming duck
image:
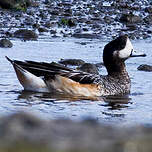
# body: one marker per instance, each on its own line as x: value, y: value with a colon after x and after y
x: 46, y: 77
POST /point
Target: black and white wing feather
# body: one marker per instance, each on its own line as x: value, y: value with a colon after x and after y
x: 50, y: 70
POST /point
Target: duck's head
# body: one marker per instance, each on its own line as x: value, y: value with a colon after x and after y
x: 116, y: 52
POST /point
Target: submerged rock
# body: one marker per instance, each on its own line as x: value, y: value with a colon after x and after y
x: 5, y: 43
x: 88, y: 67
x: 25, y: 34
x: 145, y: 67
x: 73, y: 62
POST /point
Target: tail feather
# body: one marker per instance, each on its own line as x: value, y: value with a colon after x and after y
x: 41, y: 68
x: 9, y: 59
x: 28, y: 80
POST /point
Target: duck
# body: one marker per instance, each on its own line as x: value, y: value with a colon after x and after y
x: 46, y: 77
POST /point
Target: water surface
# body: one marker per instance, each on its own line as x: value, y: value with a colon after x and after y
x: 128, y: 110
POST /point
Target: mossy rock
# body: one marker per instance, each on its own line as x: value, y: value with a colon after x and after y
x: 15, y: 4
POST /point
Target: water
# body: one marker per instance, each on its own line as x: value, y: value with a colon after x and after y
x: 123, y: 111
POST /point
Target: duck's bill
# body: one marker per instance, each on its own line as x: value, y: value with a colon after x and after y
x: 137, y: 54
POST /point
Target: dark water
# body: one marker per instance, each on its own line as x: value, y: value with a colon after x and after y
x: 128, y: 110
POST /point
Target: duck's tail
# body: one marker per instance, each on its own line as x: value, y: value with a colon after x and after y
x: 28, y: 80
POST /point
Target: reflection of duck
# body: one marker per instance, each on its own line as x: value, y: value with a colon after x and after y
x: 45, y: 77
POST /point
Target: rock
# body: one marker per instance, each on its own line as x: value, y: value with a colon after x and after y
x: 145, y: 67
x: 148, y: 19
x: 15, y: 4
x: 41, y: 29
x: 25, y: 34
x: 5, y: 43
x: 108, y: 19
x: 53, y: 31
x: 148, y: 10
x: 36, y: 25
x: 29, y: 21
x: 99, y: 65
x: 86, y: 35
x: 67, y: 22
x: 73, y: 62
x: 130, y: 18
x: 88, y: 67
x: 48, y: 24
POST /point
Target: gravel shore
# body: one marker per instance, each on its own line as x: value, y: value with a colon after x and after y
x: 81, y: 19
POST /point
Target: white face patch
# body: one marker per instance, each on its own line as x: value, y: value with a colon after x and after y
x: 125, y: 53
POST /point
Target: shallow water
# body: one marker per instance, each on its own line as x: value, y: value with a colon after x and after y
x: 123, y: 111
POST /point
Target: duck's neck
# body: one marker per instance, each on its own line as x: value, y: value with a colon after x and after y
x: 117, y: 70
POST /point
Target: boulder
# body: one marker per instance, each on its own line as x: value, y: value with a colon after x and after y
x: 145, y: 67
x: 88, y: 67
x: 130, y: 18
x: 15, y: 4
x: 73, y: 62
x: 5, y: 43
x: 25, y: 34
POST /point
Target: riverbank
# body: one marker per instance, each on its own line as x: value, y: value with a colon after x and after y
x: 81, y: 19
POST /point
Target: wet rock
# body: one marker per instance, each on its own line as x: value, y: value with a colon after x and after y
x: 145, y: 67
x: 86, y: 35
x: 131, y: 27
x: 148, y: 19
x: 48, y: 24
x: 130, y: 18
x: 5, y: 43
x: 73, y: 62
x: 108, y: 19
x: 148, y: 10
x: 53, y: 31
x: 15, y: 4
x: 99, y: 65
x: 29, y: 21
x: 67, y: 22
x: 102, y: 18
x: 36, y: 26
x: 88, y: 67
x: 41, y: 29
x: 25, y: 34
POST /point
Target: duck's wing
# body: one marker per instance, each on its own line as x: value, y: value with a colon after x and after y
x: 45, y: 77
x: 51, y: 70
